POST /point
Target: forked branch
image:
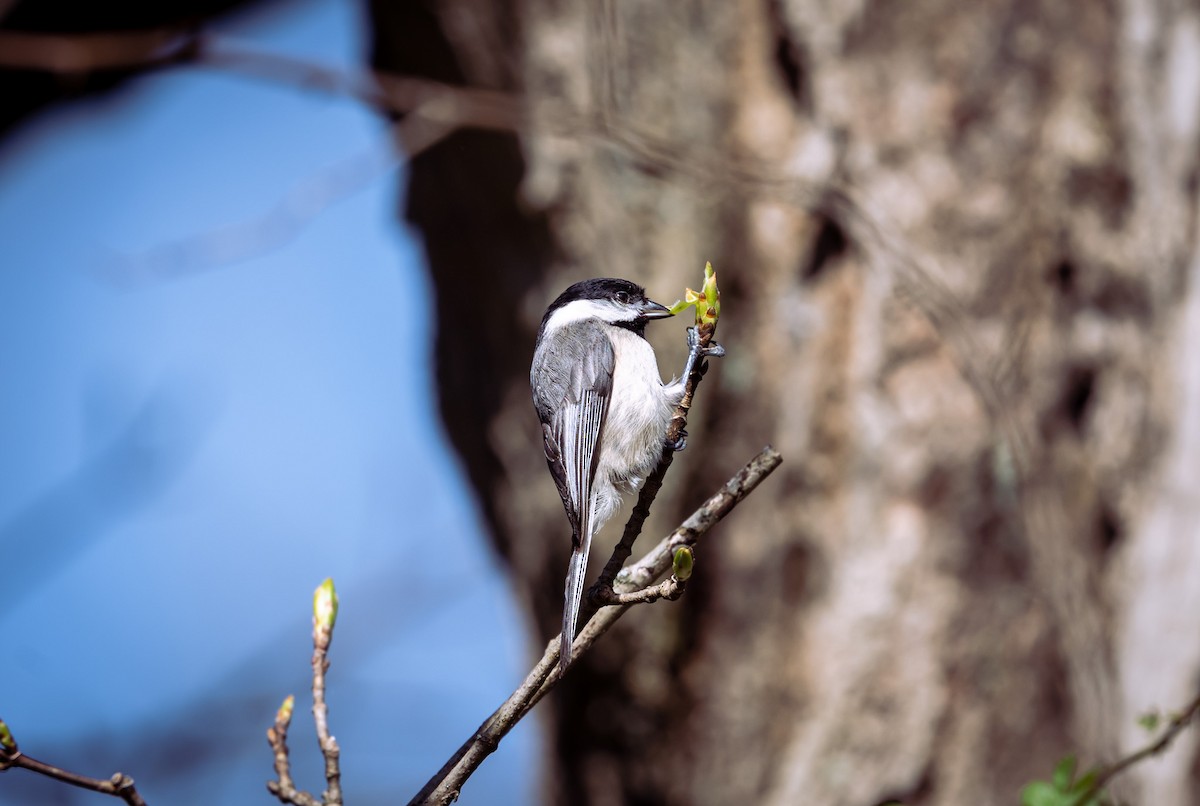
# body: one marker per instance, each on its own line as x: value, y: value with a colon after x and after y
x: 325, y: 607
x: 444, y: 786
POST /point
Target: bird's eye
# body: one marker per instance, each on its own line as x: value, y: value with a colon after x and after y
x: 622, y: 298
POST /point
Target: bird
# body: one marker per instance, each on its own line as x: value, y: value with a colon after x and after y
x: 603, y: 408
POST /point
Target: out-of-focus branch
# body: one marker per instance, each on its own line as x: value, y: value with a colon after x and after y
x: 84, y: 53
x: 1109, y: 771
x: 433, y: 110
x: 119, y: 785
x: 80, y: 54
x: 325, y: 607
x: 387, y: 92
x: 444, y: 787
x: 259, y: 235
x: 284, y: 787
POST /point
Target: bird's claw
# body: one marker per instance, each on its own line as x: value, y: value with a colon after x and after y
x: 680, y: 443
x: 696, y: 353
x: 713, y: 350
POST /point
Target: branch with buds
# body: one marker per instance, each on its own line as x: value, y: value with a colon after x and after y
x: 325, y: 610
x: 118, y: 785
x: 1067, y: 788
x: 443, y: 787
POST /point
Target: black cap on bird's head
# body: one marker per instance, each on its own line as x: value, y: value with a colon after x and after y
x: 614, y: 300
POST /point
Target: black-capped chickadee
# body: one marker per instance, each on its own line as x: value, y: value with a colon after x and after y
x: 604, y: 410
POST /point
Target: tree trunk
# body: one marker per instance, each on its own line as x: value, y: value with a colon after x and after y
x: 957, y: 244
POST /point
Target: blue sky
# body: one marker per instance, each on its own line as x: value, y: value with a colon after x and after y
x: 191, y: 443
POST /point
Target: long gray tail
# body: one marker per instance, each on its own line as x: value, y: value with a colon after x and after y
x: 576, y: 571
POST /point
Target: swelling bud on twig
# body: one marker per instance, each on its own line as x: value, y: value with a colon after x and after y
x: 325, y: 605
x: 707, y: 300
x: 284, y: 714
x: 682, y: 563
x: 6, y: 738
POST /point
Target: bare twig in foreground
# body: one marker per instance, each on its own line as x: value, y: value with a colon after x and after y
x: 325, y: 606
x: 1106, y: 773
x: 84, y: 53
x: 444, y: 787
x: 119, y: 785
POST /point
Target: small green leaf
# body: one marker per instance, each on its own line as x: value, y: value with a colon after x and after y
x: 707, y: 300
x: 1150, y: 721
x: 1041, y: 793
x: 1085, y: 782
x: 1064, y: 773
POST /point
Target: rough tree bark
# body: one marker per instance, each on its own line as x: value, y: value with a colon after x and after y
x: 958, y: 248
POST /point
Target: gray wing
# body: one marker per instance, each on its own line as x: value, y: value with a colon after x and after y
x: 572, y: 384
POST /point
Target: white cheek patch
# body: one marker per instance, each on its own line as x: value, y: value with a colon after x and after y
x: 583, y: 309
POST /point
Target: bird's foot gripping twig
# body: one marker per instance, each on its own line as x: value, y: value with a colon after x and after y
x: 680, y: 442
x: 698, y: 351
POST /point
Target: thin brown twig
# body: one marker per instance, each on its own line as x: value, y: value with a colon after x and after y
x: 118, y: 785
x: 444, y: 786
x: 94, y: 52
x: 329, y: 746
x: 284, y: 787
x: 436, y: 101
x: 434, y: 115
x: 669, y: 589
x: 1106, y: 773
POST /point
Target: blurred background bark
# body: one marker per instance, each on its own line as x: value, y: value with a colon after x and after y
x: 957, y: 244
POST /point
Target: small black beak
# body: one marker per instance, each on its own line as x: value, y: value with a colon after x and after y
x: 649, y: 309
